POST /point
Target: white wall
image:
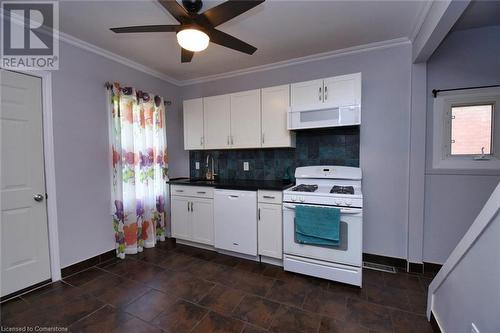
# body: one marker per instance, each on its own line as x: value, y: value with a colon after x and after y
x: 81, y: 147
x: 453, y: 198
x: 384, y: 139
x: 471, y: 293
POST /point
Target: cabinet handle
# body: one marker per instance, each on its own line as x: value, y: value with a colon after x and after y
x: 188, y: 206
x: 326, y: 93
x: 232, y: 140
x: 319, y: 94
x: 259, y: 214
x: 263, y: 138
x: 228, y: 142
x: 192, y: 210
x: 269, y: 197
x: 201, y: 141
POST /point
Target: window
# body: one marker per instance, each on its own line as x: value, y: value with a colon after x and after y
x: 471, y: 129
x: 466, y: 129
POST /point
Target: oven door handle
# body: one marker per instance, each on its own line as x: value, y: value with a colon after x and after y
x: 342, y: 210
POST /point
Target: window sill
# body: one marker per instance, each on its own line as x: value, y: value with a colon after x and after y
x: 467, y: 164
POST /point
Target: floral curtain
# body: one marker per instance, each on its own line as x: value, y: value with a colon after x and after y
x: 139, y: 168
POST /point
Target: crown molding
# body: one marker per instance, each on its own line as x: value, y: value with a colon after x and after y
x: 421, y: 19
x: 301, y: 60
x: 116, y: 57
x: 280, y: 64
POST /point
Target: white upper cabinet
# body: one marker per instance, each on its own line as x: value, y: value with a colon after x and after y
x: 193, y: 123
x: 245, y: 119
x: 308, y: 93
x: 344, y: 90
x: 217, y: 120
x: 275, y: 104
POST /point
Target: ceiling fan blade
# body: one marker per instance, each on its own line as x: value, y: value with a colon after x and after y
x: 186, y: 55
x: 228, y: 10
x: 221, y: 38
x: 146, y: 28
x: 177, y: 11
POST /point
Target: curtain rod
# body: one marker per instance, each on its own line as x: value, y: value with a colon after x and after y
x: 436, y: 91
x: 109, y: 85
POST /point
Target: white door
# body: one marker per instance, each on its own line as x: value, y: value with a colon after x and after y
x: 245, y: 119
x: 203, y: 221
x: 307, y: 94
x: 193, y: 123
x: 344, y: 90
x: 217, y: 120
x: 275, y: 104
x: 24, y: 231
x: 181, y: 217
x: 270, y: 230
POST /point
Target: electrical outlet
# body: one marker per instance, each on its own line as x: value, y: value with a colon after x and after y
x: 197, y: 165
x: 246, y: 166
x: 474, y: 328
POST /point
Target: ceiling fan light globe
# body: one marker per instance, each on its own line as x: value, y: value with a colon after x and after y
x: 193, y: 40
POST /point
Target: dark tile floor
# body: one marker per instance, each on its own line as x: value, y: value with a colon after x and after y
x: 175, y: 288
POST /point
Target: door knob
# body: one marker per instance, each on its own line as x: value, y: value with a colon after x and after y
x: 38, y: 197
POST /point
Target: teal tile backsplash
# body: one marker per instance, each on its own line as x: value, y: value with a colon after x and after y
x: 332, y: 146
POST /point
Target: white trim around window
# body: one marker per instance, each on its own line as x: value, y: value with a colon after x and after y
x: 441, y: 156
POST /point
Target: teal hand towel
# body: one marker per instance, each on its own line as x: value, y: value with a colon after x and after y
x: 317, y: 225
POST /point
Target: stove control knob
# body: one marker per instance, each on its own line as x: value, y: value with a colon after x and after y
x: 302, y: 199
x: 337, y: 203
x: 348, y: 204
x: 293, y: 199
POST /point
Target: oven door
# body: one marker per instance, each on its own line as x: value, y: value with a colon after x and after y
x: 349, y: 251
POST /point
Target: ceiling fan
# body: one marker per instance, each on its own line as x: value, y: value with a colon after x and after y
x: 196, y: 30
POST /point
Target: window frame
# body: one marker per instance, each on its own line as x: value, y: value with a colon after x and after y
x: 443, y: 103
x: 449, y: 117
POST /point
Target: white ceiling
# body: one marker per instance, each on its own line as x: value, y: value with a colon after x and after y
x: 280, y: 29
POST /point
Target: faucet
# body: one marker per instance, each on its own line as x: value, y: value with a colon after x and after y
x: 210, y: 174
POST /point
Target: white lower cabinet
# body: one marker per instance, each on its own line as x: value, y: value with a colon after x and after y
x: 203, y: 221
x: 270, y: 224
x: 192, y: 219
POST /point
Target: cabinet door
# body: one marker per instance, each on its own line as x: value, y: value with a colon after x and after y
x: 203, y: 221
x: 270, y: 230
x: 343, y: 90
x: 193, y: 123
x: 181, y: 218
x: 275, y: 104
x: 217, y: 115
x: 307, y: 94
x: 245, y: 119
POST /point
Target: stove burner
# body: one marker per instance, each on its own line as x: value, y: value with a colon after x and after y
x: 305, y: 188
x: 342, y: 189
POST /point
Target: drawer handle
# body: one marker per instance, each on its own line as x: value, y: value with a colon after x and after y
x: 234, y: 196
x: 201, y: 192
x: 236, y: 244
x: 269, y: 197
x: 179, y: 191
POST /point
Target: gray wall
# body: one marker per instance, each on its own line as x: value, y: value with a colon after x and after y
x: 384, y: 142
x: 453, y: 199
x: 81, y: 147
x: 471, y: 293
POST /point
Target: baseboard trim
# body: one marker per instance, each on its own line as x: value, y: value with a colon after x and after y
x: 414, y: 267
x: 82, y: 265
x: 434, y: 324
x: 431, y: 267
x: 383, y: 260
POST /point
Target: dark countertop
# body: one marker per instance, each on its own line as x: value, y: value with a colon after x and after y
x: 234, y: 184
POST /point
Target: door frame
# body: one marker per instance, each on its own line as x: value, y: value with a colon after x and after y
x: 49, y: 165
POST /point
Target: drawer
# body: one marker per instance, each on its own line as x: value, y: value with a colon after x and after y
x: 192, y: 191
x: 273, y: 197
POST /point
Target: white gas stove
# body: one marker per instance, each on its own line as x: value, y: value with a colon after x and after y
x: 326, y: 186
